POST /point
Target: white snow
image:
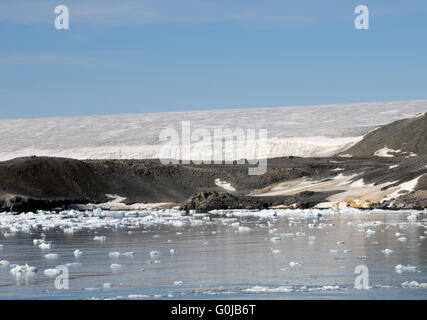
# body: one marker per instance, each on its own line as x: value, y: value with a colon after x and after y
x: 298, y: 131
x: 224, y: 184
x: 386, y: 152
x: 407, y: 187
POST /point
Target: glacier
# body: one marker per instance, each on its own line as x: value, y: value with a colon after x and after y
x: 306, y: 131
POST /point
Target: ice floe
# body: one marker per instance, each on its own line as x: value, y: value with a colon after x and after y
x: 387, y: 251
x: 77, y: 253
x: 414, y: 284
x: 51, y: 256
x: 23, y: 269
x: 114, y: 254
x: 51, y: 272
x: 46, y: 246
x: 4, y: 263
x: 402, y: 268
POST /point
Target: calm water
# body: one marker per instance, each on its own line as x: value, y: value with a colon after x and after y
x: 223, y: 259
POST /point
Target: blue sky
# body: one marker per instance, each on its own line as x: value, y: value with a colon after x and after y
x: 133, y: 56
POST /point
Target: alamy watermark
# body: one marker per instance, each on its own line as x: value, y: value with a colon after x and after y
x: 362, y: 280
x: 216, y: 146
x: 63, y: 17
x: 62, y: 281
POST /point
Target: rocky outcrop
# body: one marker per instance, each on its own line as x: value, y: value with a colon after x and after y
x: 402, y: 138
x: 207, y: 201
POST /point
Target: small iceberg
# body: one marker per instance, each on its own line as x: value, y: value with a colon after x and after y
x: 114, y: 254
x: 387, y: 251
x: 77, y: 253
x: 51, y: 256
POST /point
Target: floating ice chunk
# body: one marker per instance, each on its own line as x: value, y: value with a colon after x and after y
x: 387, y: 251
x: 4, y: 263
x: 402, y: 239
x: 139, y: 296
x: 347, y: 251
x: 106, y: 285
x: 154, y: 253
x: 129, y: 254
x: 421, y: 238
x: 244, y: 229
x: 51, y: 272
x: 77, y: 253
x: 275, y: 251
x: 413, y: 284
x: 24, y: 269
x: 259, y: 289
x: 46, y: 246
x: 370, y: 232
x: 294, y: 264
x: 275, y: 239
x: 286, y: 234
x: 333, y: 251
x: 51, y: 256
x: 412, y: 218
x: 172, y: 251
x: 398, y: 234
x: 73, y: 264
x: 114, y: 254
x: 116, y: 266
x: 37, y: 242
x: 100, y: 238
x: 178, y: 283
x: 402, y: 268
x: 341, y: 242
x: 68, y: 230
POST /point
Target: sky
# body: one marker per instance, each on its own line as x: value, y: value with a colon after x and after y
x: 145, y: 56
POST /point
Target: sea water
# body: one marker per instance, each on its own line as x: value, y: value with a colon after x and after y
x: 269, y: 254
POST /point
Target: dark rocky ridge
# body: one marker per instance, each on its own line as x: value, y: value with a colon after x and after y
x: 206, y: 201
x: 408, y: 135
x: 43, y: 183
